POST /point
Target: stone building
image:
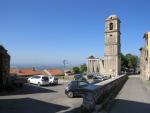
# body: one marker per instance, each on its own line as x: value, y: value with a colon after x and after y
x: 4, y: 67
x: 145, y: 58
x: 111, y: 63
x: 95, y: 65
x: 143, y: 63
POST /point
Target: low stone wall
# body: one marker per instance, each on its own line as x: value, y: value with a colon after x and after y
x: 98, y: 93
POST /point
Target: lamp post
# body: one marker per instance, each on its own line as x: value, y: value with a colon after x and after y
x: 65, y: 62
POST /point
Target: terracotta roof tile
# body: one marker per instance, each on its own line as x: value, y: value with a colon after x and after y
x: 26, y: 71
x: 55, y: 71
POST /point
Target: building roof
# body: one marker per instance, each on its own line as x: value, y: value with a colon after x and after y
x: 4, y: 51
x: 28, y: 72
x: 55, y: 71
x: 91, y: 57
x: 2, y: 47
x: 111, y: 17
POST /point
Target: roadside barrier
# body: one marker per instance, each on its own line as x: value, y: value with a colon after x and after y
x: 97, y: 93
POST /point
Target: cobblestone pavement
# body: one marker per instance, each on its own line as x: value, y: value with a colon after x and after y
x: 133, y: 98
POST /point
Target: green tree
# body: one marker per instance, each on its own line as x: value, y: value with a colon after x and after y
x: 76, y: 70
x: 124, y: 62
x: 132, y: 61
x: 83, y: 68
x: 129, y: 61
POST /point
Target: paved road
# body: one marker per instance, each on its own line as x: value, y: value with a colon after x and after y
x: 133, y: 98
x: 33, y: 99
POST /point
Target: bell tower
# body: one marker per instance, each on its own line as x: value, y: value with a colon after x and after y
x: 112, y: 59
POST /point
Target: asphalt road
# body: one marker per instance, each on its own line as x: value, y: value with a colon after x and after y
x: 133, y: 98
x: 33, y: 99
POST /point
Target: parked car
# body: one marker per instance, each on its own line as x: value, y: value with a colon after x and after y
x: 79, y: 77
x: 53, y: 80
x: 39, y: 80
x: 75, y: 88
x: 106, y: 77
x: 90, y: 76
x: 97, y: 79
x: 18, y: 81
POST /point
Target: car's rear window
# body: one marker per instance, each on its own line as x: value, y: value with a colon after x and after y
x: 83, y: 83
x: 55, y: 78
x: 45, y: 78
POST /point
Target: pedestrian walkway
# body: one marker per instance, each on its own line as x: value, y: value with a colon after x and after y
x: 133, y: 98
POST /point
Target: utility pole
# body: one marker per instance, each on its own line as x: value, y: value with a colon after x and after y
x: 65, y: 62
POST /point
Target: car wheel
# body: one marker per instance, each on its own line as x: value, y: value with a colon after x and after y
x: 39, y: 84
x: 70, y: 94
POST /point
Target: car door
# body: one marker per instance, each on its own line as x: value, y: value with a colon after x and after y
x: 81, y: 85
x: 73, y: 87
x: 37, y: 79
x: 32, y: 80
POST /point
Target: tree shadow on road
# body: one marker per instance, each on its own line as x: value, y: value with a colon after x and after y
x: 125, y: 106
x: 27, y: 89
x: 28, y: 105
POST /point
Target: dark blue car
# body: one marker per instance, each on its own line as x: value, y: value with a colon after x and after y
x: 75, y: 88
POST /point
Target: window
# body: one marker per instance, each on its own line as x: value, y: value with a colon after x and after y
x: 36, y: 77
x: 83, y: 83
x: 33, y: 77
x: 111, y: 26
x: 45, y: 78
x: 73, y: 84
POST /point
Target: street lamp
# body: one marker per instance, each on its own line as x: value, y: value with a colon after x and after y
x: 65, y: 62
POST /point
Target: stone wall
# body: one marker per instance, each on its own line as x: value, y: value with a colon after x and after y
x: 97, y: 93
x: 144, y: 61
x: 4, y: 67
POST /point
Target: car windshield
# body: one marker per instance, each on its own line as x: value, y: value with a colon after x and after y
x: 73, y: 83
x: 45, y: 78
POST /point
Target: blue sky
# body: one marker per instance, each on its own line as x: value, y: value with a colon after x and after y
x: 48, y: 31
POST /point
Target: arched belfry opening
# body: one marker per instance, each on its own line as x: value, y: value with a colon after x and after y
x: 111, y: 26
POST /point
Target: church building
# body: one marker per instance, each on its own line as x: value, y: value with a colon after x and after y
x: 111, y: 63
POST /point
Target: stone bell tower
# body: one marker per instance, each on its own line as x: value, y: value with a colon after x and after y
x: 112, y: 58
